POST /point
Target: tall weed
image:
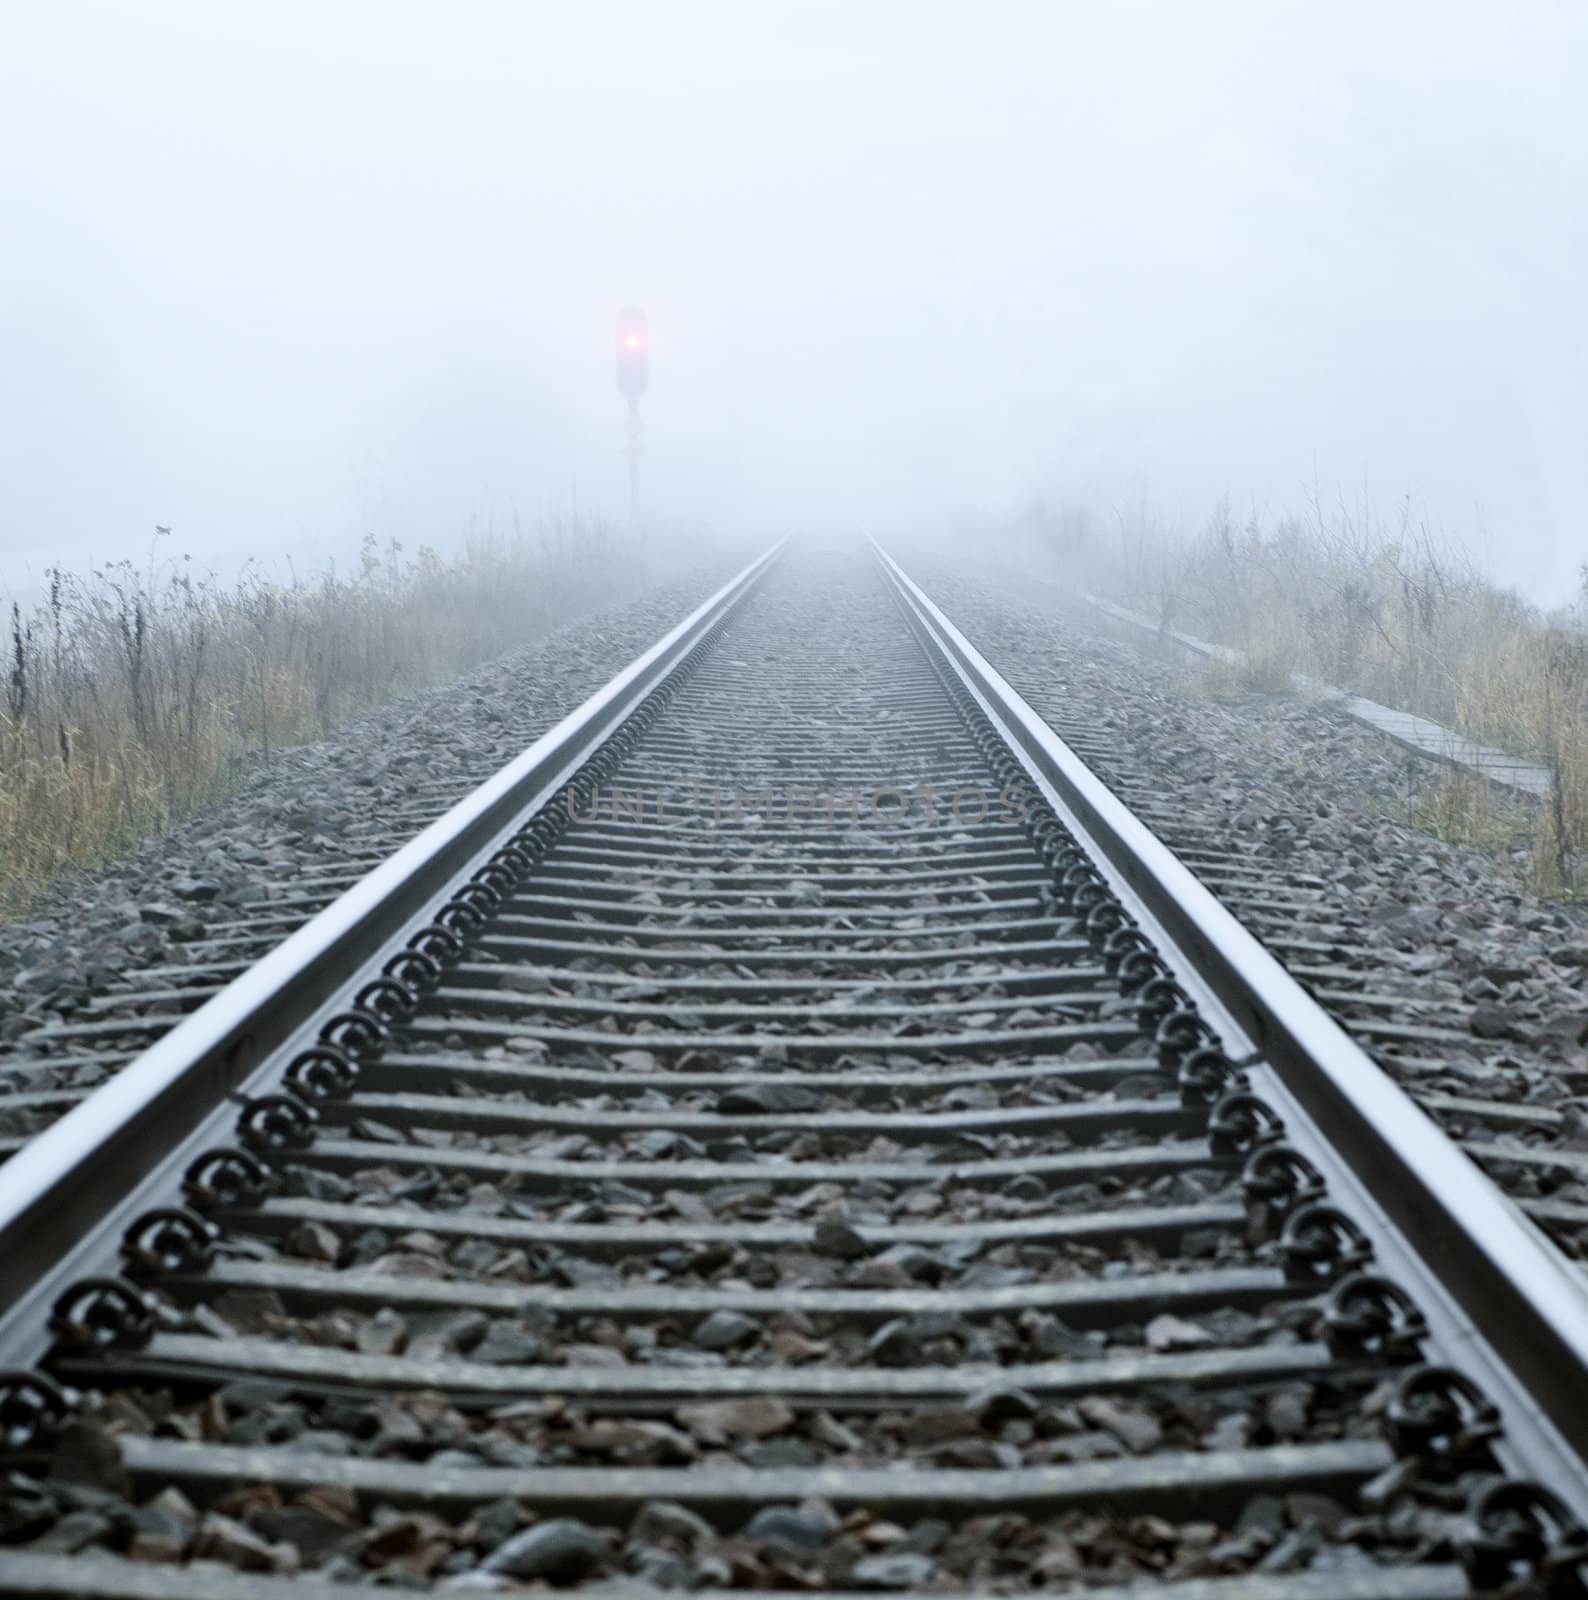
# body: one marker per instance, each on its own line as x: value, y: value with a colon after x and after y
x: 133, y: 696
x: 1377, y: 606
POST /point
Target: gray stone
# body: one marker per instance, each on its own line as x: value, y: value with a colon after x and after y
x: 196, y: 890
x: 507, y: 1344
x: 86, y: 1452
x: 971, y: 1097
x: 666, y: 1519
x: 1135, y: 1427
x: 497, y: 1522
x: 992, y: 1407
x: 760, y: 1098
x: 75, y: 1531
x: 1263, y: 1514
x: 434, y: 1335
x: 313, y: 1184
x: 723, y: 1329
x: 765, y: 1454
x: 759, y: 1416
x: 935, y: 1424
x: 662, y: 1144
x: 1489, y: 1021
x: 382, y: 1334
x: 225, y: 1539
x: 562, y: 1550
x: 661, y: 1569
x: 834, y: 1238
x: 895, y: 1569
x: 1053, y: 1338
x: 915, y: 1262
x: 805, y: 1529
x: 315, y: 1535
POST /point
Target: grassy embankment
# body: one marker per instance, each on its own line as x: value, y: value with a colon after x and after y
x: 133, y: 697
x: 1386, y: 611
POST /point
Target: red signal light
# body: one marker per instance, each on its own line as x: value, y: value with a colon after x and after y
x: 633, y: 362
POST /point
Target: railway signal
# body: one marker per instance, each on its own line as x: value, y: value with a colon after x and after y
x: 634, y: 376
x: 634, y: 353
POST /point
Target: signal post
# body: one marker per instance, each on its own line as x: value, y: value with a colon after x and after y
x: 634, y: 376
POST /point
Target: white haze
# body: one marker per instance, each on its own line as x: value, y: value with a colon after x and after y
x: 278, y: 274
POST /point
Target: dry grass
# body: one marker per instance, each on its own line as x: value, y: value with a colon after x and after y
x: 132, y: 697
x: 1459, y: 806
x: 1382, y: 609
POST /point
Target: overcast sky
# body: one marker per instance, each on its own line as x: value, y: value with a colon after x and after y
x: 275, y: 274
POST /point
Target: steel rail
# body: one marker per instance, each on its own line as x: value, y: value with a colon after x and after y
x: 66, y: 1198
x: 1502, y: 1303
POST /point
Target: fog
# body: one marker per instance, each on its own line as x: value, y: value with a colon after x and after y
x: 275, y: 276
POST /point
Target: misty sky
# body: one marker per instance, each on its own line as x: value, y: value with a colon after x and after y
x: 276, y: 274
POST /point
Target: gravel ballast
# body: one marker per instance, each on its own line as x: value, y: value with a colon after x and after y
x: 1305, y: 794
x: 301, y: 827
x: 901, y: 1289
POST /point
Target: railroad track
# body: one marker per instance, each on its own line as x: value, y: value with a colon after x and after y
x: 1512, y: 1098
x: 255, y: 873
x: 794, y: 1127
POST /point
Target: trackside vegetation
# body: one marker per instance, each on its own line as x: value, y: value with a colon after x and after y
x: 134, y: 695
x: 1380, y: 607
